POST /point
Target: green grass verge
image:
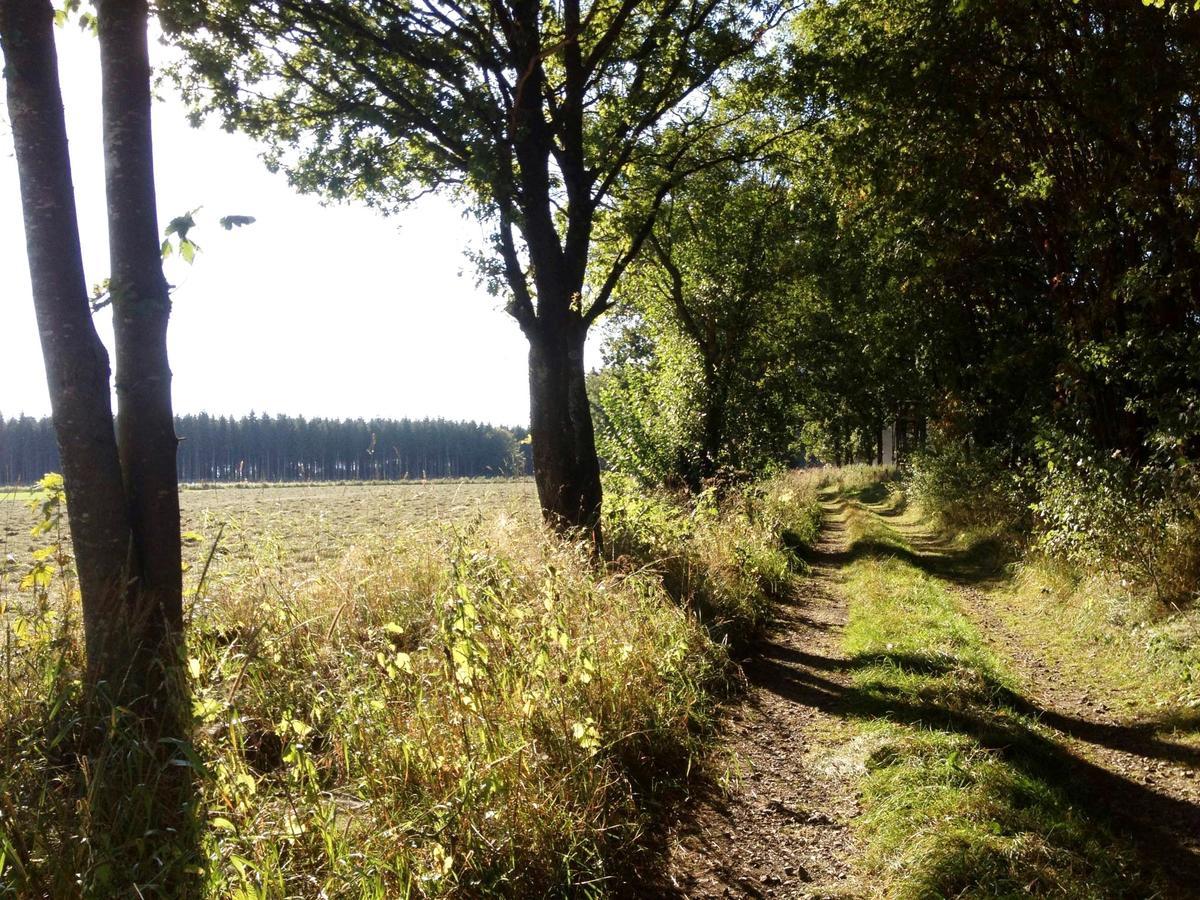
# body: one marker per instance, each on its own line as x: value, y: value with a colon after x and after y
x: 963, y: 794
x: 1114, y: 642
x: 724, y: 558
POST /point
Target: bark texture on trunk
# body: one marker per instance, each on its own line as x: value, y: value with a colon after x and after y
x: 565, y: 465
x: 141, y: 307
x: 138, y: 806
x: 716, y: 415
x: 76, y: 362
x: 122, y: 492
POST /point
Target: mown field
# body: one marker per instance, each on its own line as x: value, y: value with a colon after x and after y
x: 295, y: 525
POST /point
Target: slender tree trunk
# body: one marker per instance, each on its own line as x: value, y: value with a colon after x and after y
x: 76, y: 362
x: 565, y: 464
x: 141, y: 307
x: 714, y: 424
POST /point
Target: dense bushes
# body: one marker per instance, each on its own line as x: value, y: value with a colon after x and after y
x: 965, y: 486
x: 1143, y: 527
x: 1141, y: 524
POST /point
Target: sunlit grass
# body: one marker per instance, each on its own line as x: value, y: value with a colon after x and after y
x: 482, y: 704
x: 1112, y: 639
x: 963, y: 793
x: 724, y: 558
x: 386, y: 708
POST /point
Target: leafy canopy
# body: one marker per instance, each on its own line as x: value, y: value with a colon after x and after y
x: 535, y: 113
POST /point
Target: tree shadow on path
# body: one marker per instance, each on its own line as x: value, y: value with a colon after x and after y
x: 1164, y: 830
x: 1157, y: 825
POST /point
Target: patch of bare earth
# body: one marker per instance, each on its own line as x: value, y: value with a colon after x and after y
x: 782, y: 828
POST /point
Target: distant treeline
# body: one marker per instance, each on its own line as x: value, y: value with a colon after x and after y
x: 283, y: 448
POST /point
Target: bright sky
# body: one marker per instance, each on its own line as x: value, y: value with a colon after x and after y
x: 315, y: 311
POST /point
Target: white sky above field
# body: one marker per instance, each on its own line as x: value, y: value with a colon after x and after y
x: 316, y: 311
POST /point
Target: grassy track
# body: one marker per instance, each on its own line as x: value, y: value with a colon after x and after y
x: 964, y: 792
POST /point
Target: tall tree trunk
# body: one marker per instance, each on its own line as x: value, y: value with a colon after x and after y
x: 565, y: 464
x: 141, y: 307
x: 76, y: 362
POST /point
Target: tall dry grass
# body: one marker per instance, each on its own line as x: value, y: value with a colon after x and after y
x: 444, y: 711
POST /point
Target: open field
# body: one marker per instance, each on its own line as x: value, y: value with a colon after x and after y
x: 298, y: 525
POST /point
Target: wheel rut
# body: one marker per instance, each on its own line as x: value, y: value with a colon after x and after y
x: 1150, y: 781
x: 1145, y: 779
x: 783, y: 828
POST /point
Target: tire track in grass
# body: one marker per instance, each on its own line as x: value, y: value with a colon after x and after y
x: 889, y: 746
x: 1028, y: 714
x: 1151, y: 783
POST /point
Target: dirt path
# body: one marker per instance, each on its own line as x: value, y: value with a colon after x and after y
x: 782, y: 831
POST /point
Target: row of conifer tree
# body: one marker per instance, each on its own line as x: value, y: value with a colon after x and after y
x: 287, y: 448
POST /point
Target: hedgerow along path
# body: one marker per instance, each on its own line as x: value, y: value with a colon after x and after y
x: 898, y: 739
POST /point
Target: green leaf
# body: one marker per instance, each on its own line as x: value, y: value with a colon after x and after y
x: 231, y: 222
x: 63, y: 14
x: 187, y: 250
x: 181, y: 225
